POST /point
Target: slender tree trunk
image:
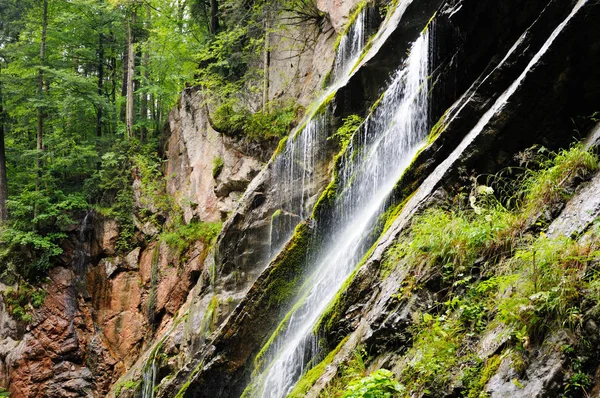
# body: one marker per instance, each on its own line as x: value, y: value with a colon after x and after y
x: 3, y: 182
x: 266, y: 62
x: 146, y: 63
x: 125, y: 64
x: 214, y: 16
x: 40, y: 92
x: 99, y: 107
x: 144, y: 110
x: 129, y: 111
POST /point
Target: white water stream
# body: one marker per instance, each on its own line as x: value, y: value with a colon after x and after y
x: 385, y: 144
x: 294, y: 168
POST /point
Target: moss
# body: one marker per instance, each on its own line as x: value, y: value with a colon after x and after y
x: 326, y: 199
x: 186, y: 385
x: 217, y: 166
x: 126, y: 385
x: 429, y: 22
x: 333, y: 312
x: 438, y: 128
x: 311, y: 377
x: 211, y: 317
x: 319, y: 108
x: 288, y: 269
x: 259, y: 361
x: 477, y: 380
x: 326, y: 79
x: 281, y: 146
x: 276, y: 214
x: 365, y: 51
x: 377, y: 103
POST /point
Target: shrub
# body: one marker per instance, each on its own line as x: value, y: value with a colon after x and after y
x: 379, y: 384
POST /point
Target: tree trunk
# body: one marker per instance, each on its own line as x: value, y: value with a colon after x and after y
x: 40, y: 92
x: 100, y: 84
x: 266, y: 62
x: 3, y: 183
x: 129, y: 111
x: 214, y: 16
x: 144, y: 106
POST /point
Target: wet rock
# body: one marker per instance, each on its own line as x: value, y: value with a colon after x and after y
x: 543, y: 376
x: 338, y: 11
x: 107, y: 234
x: 51, y: 360
x: 132, y: 259
x: 580, y: 212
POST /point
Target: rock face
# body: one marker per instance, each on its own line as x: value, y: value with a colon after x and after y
x: 194, y: 153
x: 62, y: 354
x: 471, y: 80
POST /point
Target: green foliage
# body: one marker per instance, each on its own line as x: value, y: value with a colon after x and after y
x: 39, y: 221
x: 379, y: 384
x: 549, y: 290
x: 351, y: 370
x: 20, y: 303
x: 434, y: 353
x: 557, y: 171
x: 451, y: 241
x: 182, y: 236
x: 491, y: 271
x: 349, y: 126
x: 232, y: 119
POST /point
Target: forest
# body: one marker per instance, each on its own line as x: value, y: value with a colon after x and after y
x: 85, y: 89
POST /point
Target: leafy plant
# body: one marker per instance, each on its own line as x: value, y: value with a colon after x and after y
x: 345, y: 132
x: 183, y: 235
x: 379, y: 384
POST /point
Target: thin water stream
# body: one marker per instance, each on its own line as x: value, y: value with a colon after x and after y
x: 294, y: 168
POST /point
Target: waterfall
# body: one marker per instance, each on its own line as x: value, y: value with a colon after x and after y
x: 149, y: 379
x: 294, y: 167
x: 350, y: 46
x: 434, y: 178
x: 373, y: 163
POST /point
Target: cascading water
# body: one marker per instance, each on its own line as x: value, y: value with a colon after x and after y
x: 373, y: 163
x: 149, y: 379
x: 351, y: 45
x: 294, y: 167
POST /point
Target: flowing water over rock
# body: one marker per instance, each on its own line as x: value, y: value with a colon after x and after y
x: 294, y: 168
x: 351, y: 45
x: 380, y: 152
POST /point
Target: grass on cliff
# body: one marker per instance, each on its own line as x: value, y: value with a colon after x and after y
x: 491, y: 264
x: 181, y: 236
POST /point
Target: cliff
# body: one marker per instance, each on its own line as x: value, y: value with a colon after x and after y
x: 428, y: 227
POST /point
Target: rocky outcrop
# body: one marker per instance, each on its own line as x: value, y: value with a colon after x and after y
x: 206, y: 172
